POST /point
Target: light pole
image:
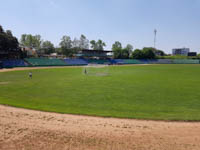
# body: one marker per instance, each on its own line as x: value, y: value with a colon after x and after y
x: 155, y: 33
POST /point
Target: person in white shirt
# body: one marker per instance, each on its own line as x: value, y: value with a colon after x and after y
x: 30, y: 75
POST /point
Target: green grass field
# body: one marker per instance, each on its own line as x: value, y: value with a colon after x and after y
x: 158, y: 92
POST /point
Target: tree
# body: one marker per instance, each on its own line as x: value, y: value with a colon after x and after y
x: 117, y: 50
x: 66, y: 42
x: 125, y: 53
x: 47, y: 48
x: 148, y: 53
x: 84, y: 42
x: 66, y: 45
x: 8, y: 42
x: 99, y: 45
x: 58, y: 50
x: 1, y: 29
x: 116, y: 45
x: 12, y: 42
x: 93, y: 45
x: 129, y: 47
x: 31, y: 41
x: 75, y: 43
x: 137, y: 54
x: 160, y: 53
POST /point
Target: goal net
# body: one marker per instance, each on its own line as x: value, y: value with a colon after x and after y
x: 96, y: 69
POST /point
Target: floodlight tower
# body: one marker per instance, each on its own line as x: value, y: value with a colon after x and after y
x: 155, y: 34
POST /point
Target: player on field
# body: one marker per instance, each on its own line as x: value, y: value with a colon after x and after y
x: 30, y: 75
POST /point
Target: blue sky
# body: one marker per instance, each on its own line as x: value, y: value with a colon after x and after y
x: 127, y: 21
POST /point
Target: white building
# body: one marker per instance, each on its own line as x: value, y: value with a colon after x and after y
x: 180, y: 51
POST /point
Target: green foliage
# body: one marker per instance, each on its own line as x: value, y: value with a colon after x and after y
x: 31, y: 41
x: 125, y: 53
x: 137, y: 54
x: 99, y: 45
x: 121, y: 53
x: 7, y: 41
x: 117, y: 50
x: 148, y: 53
x: 145, y: 53
x: 116, y: 45
x: 84, y: 42
x: 47, y: 48
x: 129, y: 47
x: 66, y: 46
x: 139, y: 92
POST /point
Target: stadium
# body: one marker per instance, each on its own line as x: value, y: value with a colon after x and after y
x: 99, y: 75
x: 160, y: 89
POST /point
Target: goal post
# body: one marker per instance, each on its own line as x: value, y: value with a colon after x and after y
x: 96, y: 69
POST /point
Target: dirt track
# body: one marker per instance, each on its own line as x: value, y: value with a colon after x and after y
x: 33, y: 68
x: 34, y: 130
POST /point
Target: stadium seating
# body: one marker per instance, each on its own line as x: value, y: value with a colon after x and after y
x: 164, y: 61
x: 144, y: 61
x: 185, y: 61
x: 117, y: 61
x: 10, y: 63
x: 45, y: 62
x: 99, y: 61
x: 132, y: 61
x: 75, y: 62
x: 158, y: 61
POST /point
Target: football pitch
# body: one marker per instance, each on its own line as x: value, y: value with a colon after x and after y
x: 157, y: 92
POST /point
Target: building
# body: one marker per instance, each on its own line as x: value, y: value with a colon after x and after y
x: 30, y: 52
x: 192, y: 54
x: 99, y: 54
x: 180, y: 51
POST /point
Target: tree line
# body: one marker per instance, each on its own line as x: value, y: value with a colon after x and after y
x: 69, y: 47
x: 8, y: 42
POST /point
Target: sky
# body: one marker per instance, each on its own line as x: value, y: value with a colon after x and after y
x: 128, y: 21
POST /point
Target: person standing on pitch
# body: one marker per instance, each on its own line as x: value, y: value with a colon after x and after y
x: 30, y: 75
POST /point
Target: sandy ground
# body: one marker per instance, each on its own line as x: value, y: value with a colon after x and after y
x: 33, y: 68
x: 22, y: 129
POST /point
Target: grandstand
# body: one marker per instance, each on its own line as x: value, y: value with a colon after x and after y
x: 90, y: 54
x: 132, y: 61
x: 10, y: 63
x: 99, y: 61
x: 74, y: 62
x: 185, y: 61
x: 45, y: 62
x: 164, y: 61
x: 117, y: 61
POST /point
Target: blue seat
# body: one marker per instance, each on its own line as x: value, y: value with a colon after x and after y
x: 10, y: 63
x: 75, y: 62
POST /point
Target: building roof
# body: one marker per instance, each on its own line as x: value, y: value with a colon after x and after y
x: 98, y: 51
